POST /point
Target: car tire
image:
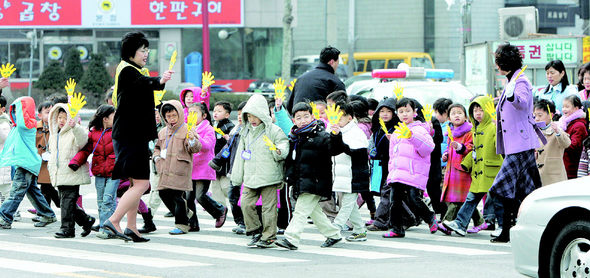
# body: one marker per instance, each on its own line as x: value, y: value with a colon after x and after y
x: 573, y: 242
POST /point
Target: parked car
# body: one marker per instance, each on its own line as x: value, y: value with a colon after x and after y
x: 552, y: 233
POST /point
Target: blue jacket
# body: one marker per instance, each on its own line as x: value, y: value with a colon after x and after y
x: 19, y: 148
x: 283, y: 120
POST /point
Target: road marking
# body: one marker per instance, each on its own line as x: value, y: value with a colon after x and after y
x: 94, y: 256
x: 39, y: 267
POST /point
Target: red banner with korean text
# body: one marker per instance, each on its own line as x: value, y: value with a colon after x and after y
x: 189, y: 12
x: 41, y: 13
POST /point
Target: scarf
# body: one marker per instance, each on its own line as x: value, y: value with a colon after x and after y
x: 566, y: 120
x: 294, y: 135
x: 461, y: 130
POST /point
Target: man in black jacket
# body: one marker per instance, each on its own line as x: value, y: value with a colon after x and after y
x: 319, y: 82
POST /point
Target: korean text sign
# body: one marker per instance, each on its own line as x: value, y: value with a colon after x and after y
x: 541, y: 51
x: 189, y: 12
x: 40, y: 12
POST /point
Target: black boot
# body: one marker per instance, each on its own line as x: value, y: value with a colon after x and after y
x: 508, y: 221
x: 148, y: 223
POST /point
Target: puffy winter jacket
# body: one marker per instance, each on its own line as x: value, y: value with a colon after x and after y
x: 351, y: 168
x: 103, y: 157
x: 409, y: 159
x: 197, y: 98
x: 201, y: 169
x: 64, y: 144
x: 226, y: 126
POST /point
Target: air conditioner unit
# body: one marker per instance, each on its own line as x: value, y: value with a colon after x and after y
x: 518, y: 22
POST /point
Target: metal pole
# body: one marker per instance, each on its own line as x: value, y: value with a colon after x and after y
x: 466, y: 30
x: 206, y: 45
x: 33, y: 39
x: 351, y: 65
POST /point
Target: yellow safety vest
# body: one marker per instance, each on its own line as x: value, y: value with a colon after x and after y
x: 144, y: 71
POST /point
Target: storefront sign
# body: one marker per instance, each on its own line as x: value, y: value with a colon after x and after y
x: 556, y: 15
x: 586, y: 50
x: 539, y: 52
x: 118, y: 13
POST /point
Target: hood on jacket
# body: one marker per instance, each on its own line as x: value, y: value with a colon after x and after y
x: 196, y: 92
x: 388, y: 103
x: 53, y: 113
x: 22, y: 112
x: 258, y: 107
x: 178, y: 107
x: 482, y: 101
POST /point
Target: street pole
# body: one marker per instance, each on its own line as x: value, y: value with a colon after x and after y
x: 466, y: 30
x: 206, y: 45
x: 33, y: 44
x: 287, y: 40
x: 351, y: 65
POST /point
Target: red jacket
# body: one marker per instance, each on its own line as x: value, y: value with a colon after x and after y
x: 103, y: 160
x: 571, y: 157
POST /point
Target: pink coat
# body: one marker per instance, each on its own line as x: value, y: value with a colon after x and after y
x: 201, y: 168
x: 409, y: 159
x: 196, y: 98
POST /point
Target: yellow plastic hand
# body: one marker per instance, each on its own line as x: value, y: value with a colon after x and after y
x: 158, y: 95
x: 398, y: 90
x: 316, y: 112
x: 518, y: 75
x: 334, y: 114
x: 450, y: 133
x: 427, y: 111
x: 383, y: 127
x: 191, y: 122
x: 292, y: 84
x: 70, y: 86
x: 403, y: 131
x: 270, y: 144
x: 76, y: 103
x: 279, y: 88
x: 490, y: 109
x: 7, y: 70
x: 172, y: 60
x: 207, y: 80
x: 218, y: 130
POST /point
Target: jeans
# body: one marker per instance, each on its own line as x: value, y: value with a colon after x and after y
x: 398, y: 193
x: 494, y: 204
x: 24, y: 182
x: 106, y: 197
x: 468, y: 208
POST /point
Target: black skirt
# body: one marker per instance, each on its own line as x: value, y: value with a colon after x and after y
x: 132, y: 160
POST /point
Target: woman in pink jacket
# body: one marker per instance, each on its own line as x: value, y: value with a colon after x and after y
x: 203, y: 174
x: 409, y: 164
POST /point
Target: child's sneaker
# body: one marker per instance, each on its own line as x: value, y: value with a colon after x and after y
x: 4, y: 224
x: 16, y: 216
x: 433, y: 225
x: 240, y: 229
x: 255, y: 240
x: 32, y: 211
x: 357, y: 237
x: 285, y: 244
x: 44, y: 221
x: 452, y: 225
x: 269, y: 243
x: 444, y: 230
x: 477, y: 229
x: 177, y: 231
x: 370, y: 222
x: 391, y: 234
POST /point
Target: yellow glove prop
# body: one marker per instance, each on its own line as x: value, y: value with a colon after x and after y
x: 172, y: 60
x: 403, y: 131
x: 70, y: 86
x: 383, y: 127
x: 427, y: 111
x: 292, y: 84
x: 270, y: 144
x: 191, y: 122
x: 334, y: 114
x: 207, y: 80
x: 398, y: 90
x: 76, y: 103
x: 218, y: 130
x: 279, y: 88
x: 316, y: 112
x: 7, y: 70
x: 450, y: 133
x: 158, y: 95
x: 490, y: 109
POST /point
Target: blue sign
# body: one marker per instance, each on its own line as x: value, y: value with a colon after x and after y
x: 555, y: 15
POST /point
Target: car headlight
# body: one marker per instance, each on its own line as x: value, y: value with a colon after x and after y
x: 252, y: 85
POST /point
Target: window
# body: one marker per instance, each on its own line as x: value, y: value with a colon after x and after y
x: 421, y: 62
x: 19, y: 53
x: 392, y: 64
x: 112, y: 53
x: 360, y: 65
x: 375, y: 64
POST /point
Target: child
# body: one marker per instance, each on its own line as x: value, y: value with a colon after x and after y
x: 19, y: 152
x: 42, y: 142
x: 322, y: 106
x: 457, y: 181
x: 339, y: 96
x: 483, y: 163
x: 192, y: 95
x: 550, y: 156
x: 234, y: 193
x: 154, y: 200
x: 173, y: 158
x: 66, y: 138
x: 309, y: 173
x: 221, y: 113
x: 409, y: 164
x: 202, y: 173
x: 379, y: 155
x: 372, y: 106
x: 5, y: 126
x: 351, y: 174
x: 441, y: 107
x: 100, y: 146
x: 573, y: 122
x: 259, y: 168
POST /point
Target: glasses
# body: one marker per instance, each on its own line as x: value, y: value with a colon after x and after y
x: 144, y: 50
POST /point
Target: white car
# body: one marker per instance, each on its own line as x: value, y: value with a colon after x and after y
x: 552, y: 234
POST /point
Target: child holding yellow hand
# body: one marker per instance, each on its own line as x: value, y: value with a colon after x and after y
x: 409, y: 152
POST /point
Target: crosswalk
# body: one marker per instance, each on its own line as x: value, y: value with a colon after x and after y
x: 26, y: 251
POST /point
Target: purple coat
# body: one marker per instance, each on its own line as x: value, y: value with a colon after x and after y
x: 516, y: 131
